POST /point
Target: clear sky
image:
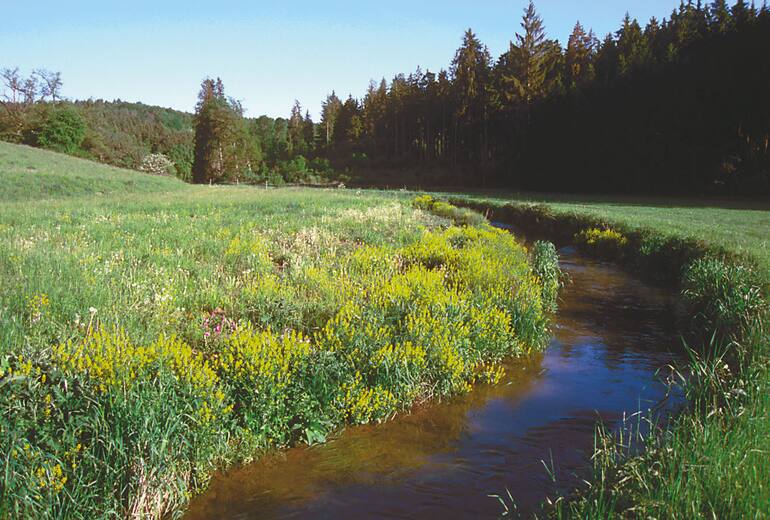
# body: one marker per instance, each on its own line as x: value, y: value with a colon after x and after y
x: 268, y: 53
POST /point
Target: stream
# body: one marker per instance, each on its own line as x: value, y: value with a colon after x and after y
x: 531, y: 436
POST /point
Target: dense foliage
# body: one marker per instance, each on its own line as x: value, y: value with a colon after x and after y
x: 127, y: 134
x: 64, y: 131
x: 676, y: 106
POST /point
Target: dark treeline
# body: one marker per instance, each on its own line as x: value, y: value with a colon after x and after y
x: 677, y: 106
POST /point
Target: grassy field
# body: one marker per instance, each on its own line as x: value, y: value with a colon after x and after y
x: 713, y: 460
x: 739, y: 226
x: 34, y: 174
x: 152, y: 331
x: 149, y: 337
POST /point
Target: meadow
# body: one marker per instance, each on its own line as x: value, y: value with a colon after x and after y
x: 152, y: 332
x: 34, y: 174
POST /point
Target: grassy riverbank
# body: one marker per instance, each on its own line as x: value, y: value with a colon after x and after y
x: 712, y: 461
x: 149, y: 337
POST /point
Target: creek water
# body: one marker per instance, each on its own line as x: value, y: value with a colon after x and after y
x: 531, y: 436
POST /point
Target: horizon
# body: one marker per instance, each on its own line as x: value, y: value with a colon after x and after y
x: 338, y: 49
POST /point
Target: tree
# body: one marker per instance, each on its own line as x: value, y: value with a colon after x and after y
x: 64, y: 131
x: 719, y: 16
x: 741, y: 13
x: 530, y: 62
x: 329, y: 111
x: 581, y: 48
x: 224, y: 149
x: 374, y: 113
x: 348, y: 125
x: 632, y: 47
x: 19, y: 95
x: 471, y: 81
x: 470, y: 74
x: 309, y: 134
x: 297, y: 143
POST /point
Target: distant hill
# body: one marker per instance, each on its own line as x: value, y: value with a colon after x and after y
x: 28, y: 173
x: 112, y: 132
x: 122, y: 134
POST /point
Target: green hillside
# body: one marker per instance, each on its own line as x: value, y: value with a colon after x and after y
x: 32, y: 174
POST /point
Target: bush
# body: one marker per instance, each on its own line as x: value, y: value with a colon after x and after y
x: 64, y: 131
x: 157, y: 164
x: 604, y: 242
x: 106, y: 423
x: 460, y: 216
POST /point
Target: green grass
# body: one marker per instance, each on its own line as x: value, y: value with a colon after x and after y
x: 140, y: 314
x: 31, y: 174
x: 149, y: 337
x: 712, y: 460
x: 741, y: 227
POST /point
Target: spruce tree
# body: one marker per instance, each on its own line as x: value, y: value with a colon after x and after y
x: 297, y: 143
x: 581, y: 47
x: 741, y: 14
x: 329, y: 111
x: 633, y: 50
x: 224, y: 149
x: 470, y: 73
x: 719, y: 16
x: 528, y: 70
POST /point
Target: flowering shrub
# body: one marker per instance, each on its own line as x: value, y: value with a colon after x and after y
x: 606, y: 242
x: 596, y: 236
x: 262, y: 370
x: 456, y: 304
x: 461, y: 216
x: 111, y: 361
x: 104, y: 404
x: 157, y: 164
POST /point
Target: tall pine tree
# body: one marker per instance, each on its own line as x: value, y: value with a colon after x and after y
x: 224, y: 149
x: 581, y: 48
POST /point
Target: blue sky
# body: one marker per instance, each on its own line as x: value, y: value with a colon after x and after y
x: 268, y: 53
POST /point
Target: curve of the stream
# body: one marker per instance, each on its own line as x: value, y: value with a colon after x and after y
x: 530, y: 436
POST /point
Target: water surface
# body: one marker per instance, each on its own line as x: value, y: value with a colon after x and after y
x: 532, y: 435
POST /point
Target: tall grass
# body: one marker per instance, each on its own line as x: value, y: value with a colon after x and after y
x: 147, y: 340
